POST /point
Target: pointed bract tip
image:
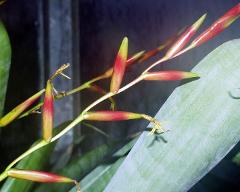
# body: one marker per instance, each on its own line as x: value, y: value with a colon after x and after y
x: 124, y: 48
x: 184, y: 38
x: 189, y: 75
x: 199, y: 22
x: 135, y: 57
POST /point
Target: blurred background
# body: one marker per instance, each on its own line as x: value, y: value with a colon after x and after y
x: 87, y: 34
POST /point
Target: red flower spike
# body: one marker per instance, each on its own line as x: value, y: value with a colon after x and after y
x: 185, y: 37
x: 169, y: 75
x: 111, y: 116
x: 47, y: 114
x: 38, y: 176
x: 8, y: 118
x: 119, y: 66
x: 218, y: 26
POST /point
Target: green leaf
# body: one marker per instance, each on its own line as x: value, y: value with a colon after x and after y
x: 35, y: 161
x: 80, y: 166
x: 203, y: 119
x: 5, y: 60
x: 236, y: 159
x: 97, y: 180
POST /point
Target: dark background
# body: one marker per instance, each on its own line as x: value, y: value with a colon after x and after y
x: 87, y: 33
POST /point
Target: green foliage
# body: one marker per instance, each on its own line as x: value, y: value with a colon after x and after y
x: 98, y: 179
x: 5, y: 60
x: 203, y: 119
x: 35, y: 161
x: 236, y: 159
x: 79, y: 167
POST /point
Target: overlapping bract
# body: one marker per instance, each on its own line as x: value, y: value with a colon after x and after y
x: 48, y: 112
x: 218, y: 26
x: 38, y: 176
x: 12, y: 115
x: 169, y: 75
x: 119, y: 66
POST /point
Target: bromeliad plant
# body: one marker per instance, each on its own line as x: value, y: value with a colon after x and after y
x: 177, y: 47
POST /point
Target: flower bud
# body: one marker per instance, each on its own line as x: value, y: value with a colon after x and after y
x: 218, y: 26
x: 131, y: 60
x: 38, y: 176
x: 111, y: 116
x: 12, y: 115
x: 119, y: 66
x: 185, y: 37
x: 169, y: 75
x: 47, y: 114
x: 120, y: 116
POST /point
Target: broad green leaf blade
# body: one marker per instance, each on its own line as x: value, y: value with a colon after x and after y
x: 5, y: 60
x: 35, y: 161
x: 204, y: 122
x: 79, y: 167
x: 98, y: 179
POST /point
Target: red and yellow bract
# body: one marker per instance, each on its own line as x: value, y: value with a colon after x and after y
x: 185, y: 37
x: 119, y: 66
x: 38, y: 176
x: 111, y: 116
x: 218, y: 26
x: 9, y: 117
x: 169, y: 75
x: 47, y: 114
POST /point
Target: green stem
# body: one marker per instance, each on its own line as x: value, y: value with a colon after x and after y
x: 73, y: 123
x: 96, y: 129
x: 28, y: 152
x: 3, y: 175
x: 61, y: 95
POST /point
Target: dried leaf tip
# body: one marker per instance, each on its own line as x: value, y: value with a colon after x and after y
x: 119, y: 66
x: 38, y: 176
x: 185, y: 37
x: 157, y: 125
x: 169, y: 75
x: 48, y: 112
x: 60, y: 72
